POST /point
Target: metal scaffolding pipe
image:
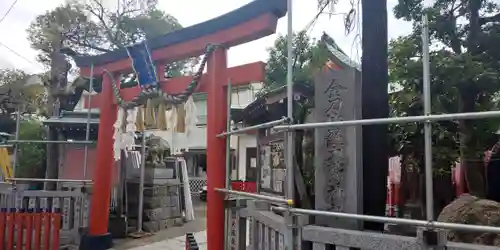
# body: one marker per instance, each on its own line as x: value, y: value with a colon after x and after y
x: 251, y: 128
x: 140, y: 205
x: 255, y: 196
x: 401, y: 221
x: 289, y: 139
x: 429, y: 195
x: 16, y: 147
x: 380, y: 219
x: 228, y: 162
x: 48, y: 142
x: 87, y: 130
x: 48, y: 180
x: 392, y: 120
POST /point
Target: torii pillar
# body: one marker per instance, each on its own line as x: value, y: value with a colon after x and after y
x: 98, y: 236
x: 216, y: 147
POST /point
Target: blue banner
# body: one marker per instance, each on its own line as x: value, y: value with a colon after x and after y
x: 142, y: 64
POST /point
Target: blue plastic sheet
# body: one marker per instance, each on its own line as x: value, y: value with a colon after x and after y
x: 142, y: 64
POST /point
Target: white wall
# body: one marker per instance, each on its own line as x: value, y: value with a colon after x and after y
x: 240, y: 98
x: 80, y: 105
x: 244, y: 142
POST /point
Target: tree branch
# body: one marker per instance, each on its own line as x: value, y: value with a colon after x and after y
x: 475, y: 27
x: 100, y: 16
x: 87, y: 45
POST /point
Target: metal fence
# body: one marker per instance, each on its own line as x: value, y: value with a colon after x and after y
x: 267, y: 230
x: 271, y: 231
x: 196, y: 184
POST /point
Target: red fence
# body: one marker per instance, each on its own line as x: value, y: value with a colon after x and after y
x: 21, y: 230
x: 244, y: 186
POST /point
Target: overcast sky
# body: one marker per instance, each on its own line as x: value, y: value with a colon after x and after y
x: 189, y: 12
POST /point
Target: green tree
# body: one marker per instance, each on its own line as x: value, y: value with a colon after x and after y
x: 307, y: 58
x: 19, y: 92
x: 16, y: 92
x: 31, y: 157
x: 464, y: 78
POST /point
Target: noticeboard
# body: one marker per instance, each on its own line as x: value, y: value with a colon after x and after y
x: 271, y: 167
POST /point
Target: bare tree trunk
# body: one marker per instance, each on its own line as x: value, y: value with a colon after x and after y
x: 473, y: 170
x: 58, y: 64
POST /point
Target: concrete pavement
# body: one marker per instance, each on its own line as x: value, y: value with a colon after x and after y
x: 177, y: 243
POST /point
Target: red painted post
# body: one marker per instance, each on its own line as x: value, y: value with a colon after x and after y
x: 46, y: 230
x: 37, y: 218
x: 216, y: 147
x: 19, y: 230
x: 10, y: 230
x: 160, y: 71
x: 56, y: 229
x: 99, y: 206
x: 2, y: 229
x: 29, y: 229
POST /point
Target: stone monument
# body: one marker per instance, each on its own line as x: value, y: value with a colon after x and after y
x: 338, y: 174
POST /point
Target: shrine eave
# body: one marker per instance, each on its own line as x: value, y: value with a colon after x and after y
x: 75, y: 118
x: 258, y: 111
x: 69, y: 121
x: 255, y: 20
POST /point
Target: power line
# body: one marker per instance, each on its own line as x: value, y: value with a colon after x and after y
x: 8, y: 11
x: 17, y: 54
x: 11, y: 7
x: 311, y: 24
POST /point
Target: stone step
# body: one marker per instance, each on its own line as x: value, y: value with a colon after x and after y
x: 155, y: 226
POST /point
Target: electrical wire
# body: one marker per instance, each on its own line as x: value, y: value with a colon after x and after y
x: 11, y: 7
x: 313, y: 22
x: 8, y: 11
x: 17, y: 54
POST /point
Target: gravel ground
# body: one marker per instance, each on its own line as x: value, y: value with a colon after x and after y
x: 199, y: 224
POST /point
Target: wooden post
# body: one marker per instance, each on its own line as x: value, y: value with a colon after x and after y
x: 375, y: 104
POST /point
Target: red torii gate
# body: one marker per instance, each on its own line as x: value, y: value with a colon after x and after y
x: 250, y: 22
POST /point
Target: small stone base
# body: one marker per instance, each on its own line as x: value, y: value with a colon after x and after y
x: 96, y: 242
x: 118, y: 227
